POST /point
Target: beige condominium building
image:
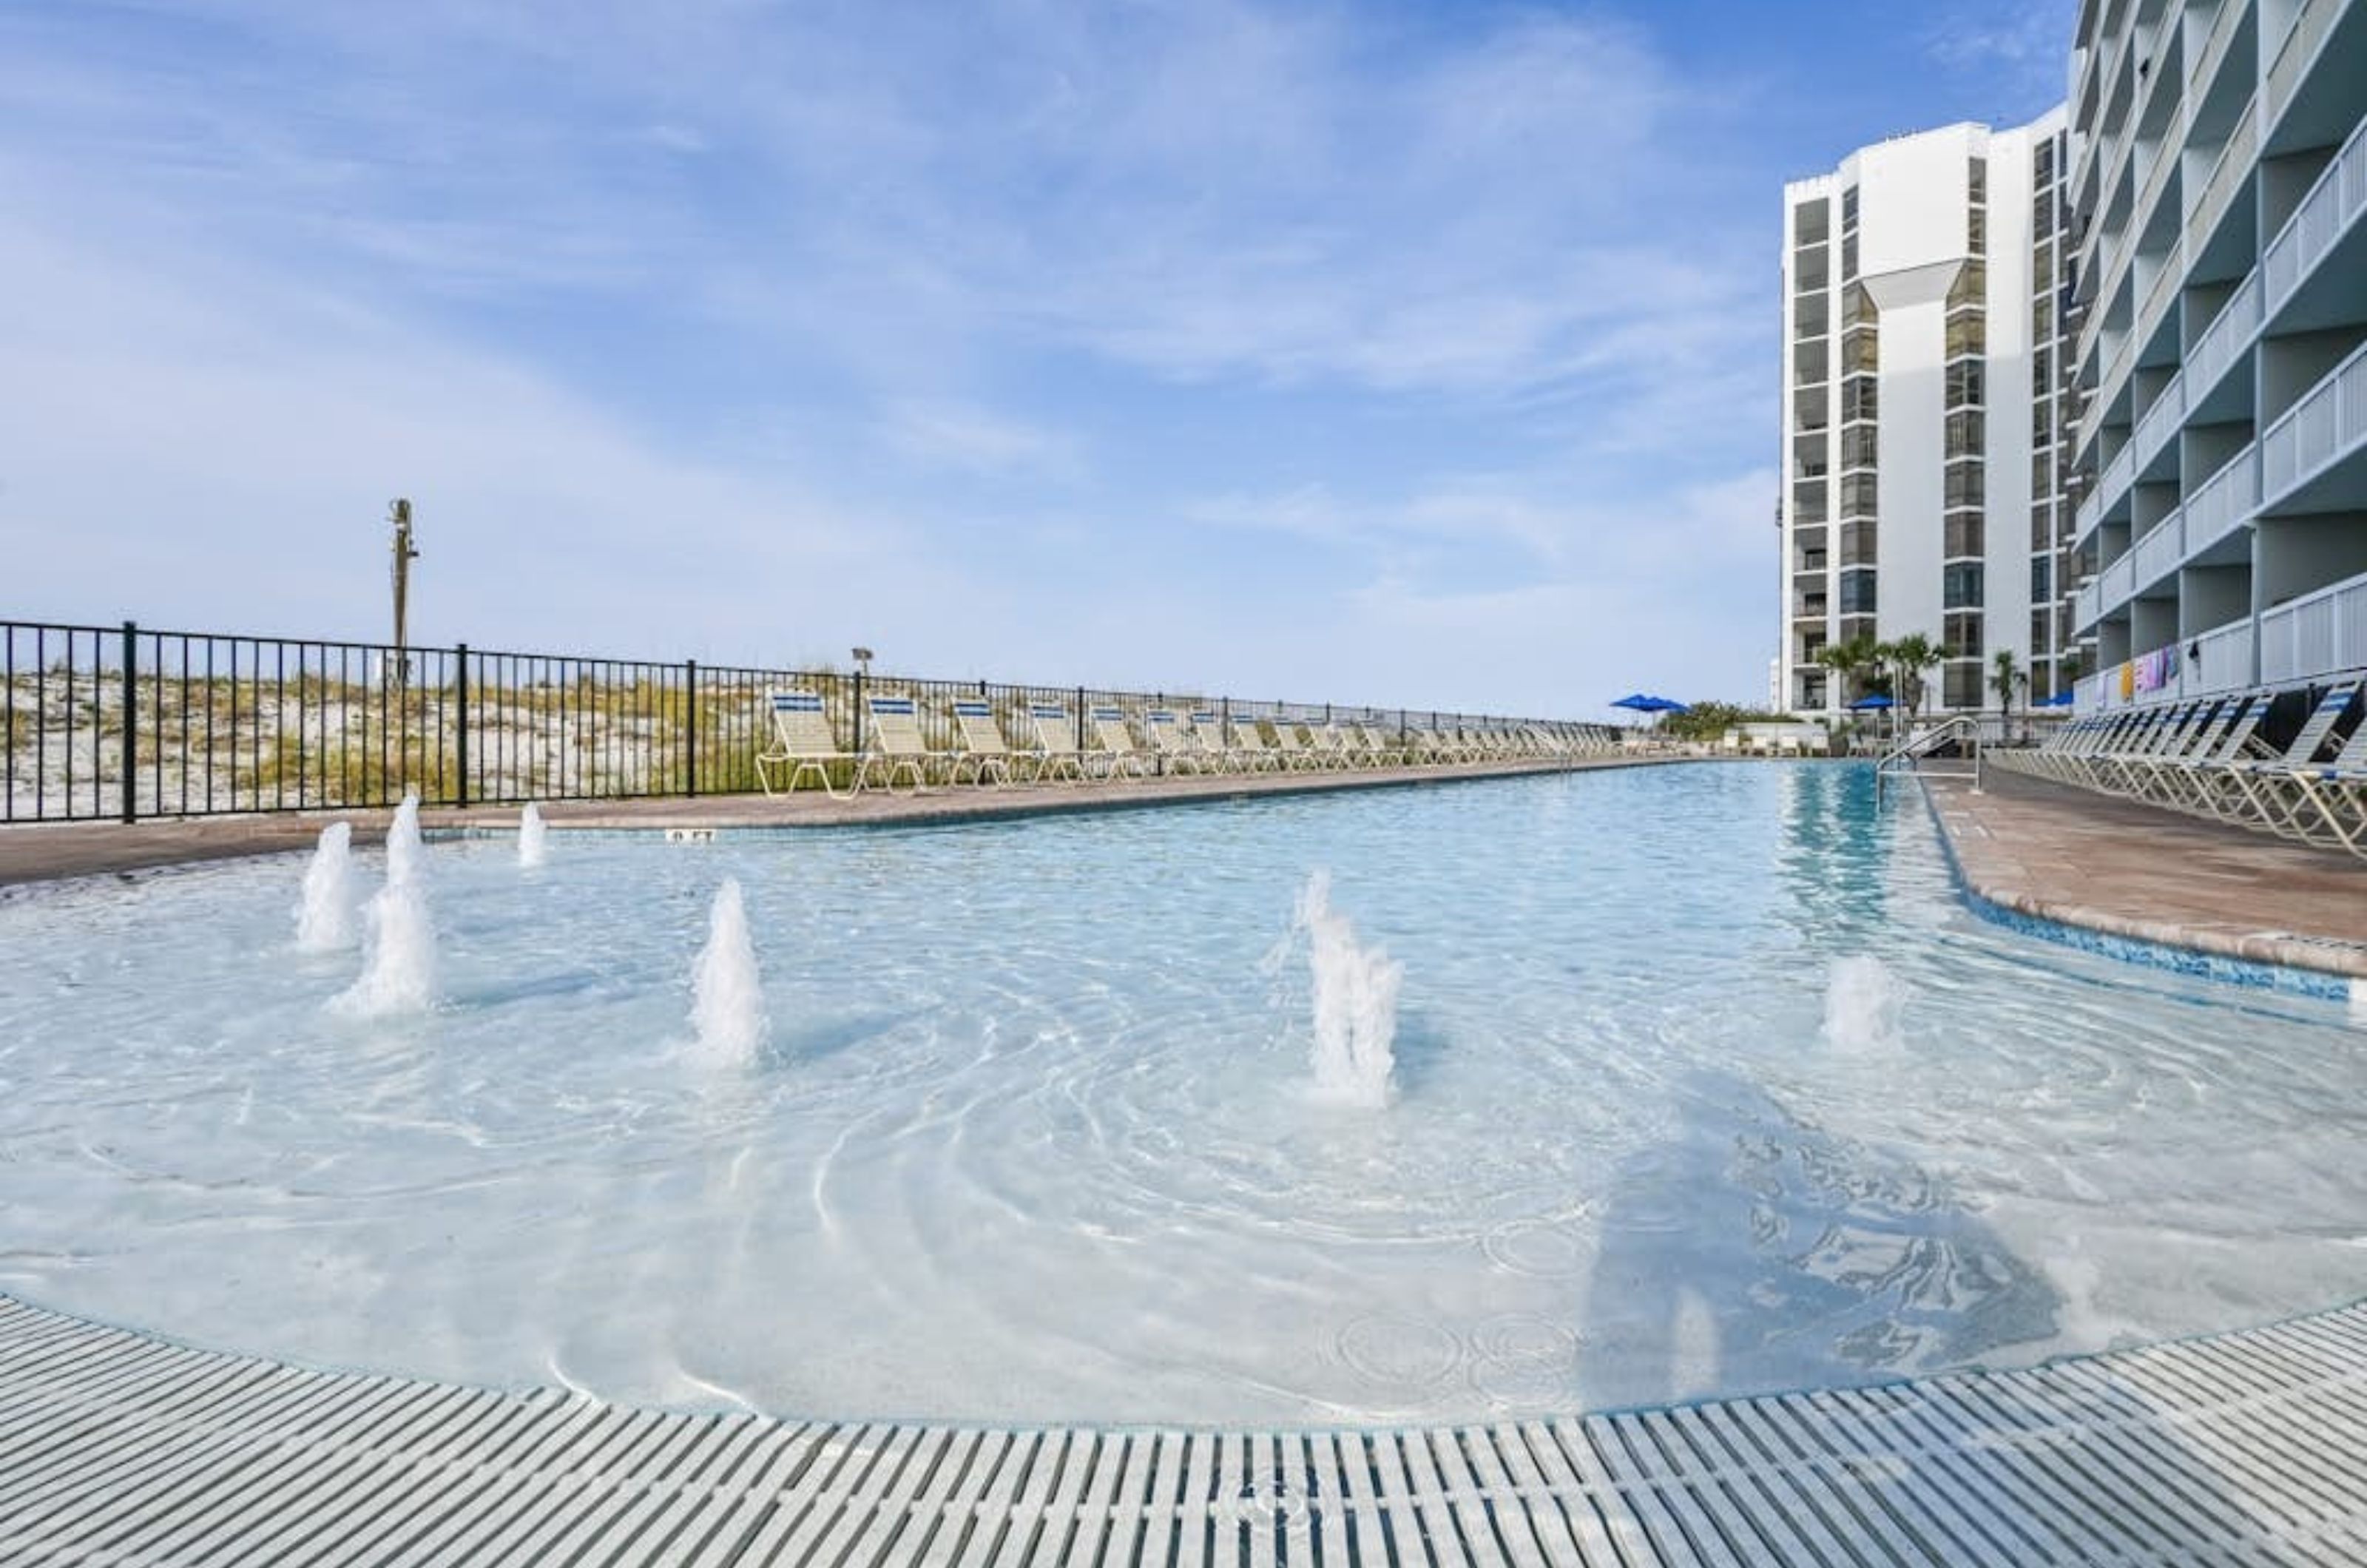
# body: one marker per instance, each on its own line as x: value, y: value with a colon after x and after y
x: 2218, y: 172
x: 1925, y: 410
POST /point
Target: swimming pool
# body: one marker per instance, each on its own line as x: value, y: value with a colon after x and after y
x: 1705, y: 1081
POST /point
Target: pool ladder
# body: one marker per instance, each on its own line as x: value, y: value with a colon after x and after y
x: 1920, y: 754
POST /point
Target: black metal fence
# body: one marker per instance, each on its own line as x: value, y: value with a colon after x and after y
x: 124, y: 723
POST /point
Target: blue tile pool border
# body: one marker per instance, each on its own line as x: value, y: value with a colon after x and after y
x: 2227, y: 969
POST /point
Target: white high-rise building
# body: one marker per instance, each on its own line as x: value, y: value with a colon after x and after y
x: 1923, y: 367
x: 2219, y: 176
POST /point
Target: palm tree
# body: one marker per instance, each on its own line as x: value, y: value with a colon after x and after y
x: 2006, y: 678
x: 1910, y: 656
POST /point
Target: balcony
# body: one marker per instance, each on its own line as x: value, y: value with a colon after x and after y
x: 2090, y: 513
x: 2161, y: 422
x: 2224, y: 501
x: 2328, y: 210
x: 2315, y: 20
x: 2227, y: 336
x: 2087, y: 605
x: 2208, y: 59
x: 2119, y: 581
x: 2208, y: 202
x: 2320, y: 634
x: 2327, y: 422
x: 2219, y: 660
x: 2158, y: 555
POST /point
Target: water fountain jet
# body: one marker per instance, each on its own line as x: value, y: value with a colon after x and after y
x: 727, y: 1013
x: 398, y: 966
x: 532, y: 832
x: 1356, y: 1003
x: 324, y: 920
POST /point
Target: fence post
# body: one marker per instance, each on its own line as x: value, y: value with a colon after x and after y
x: 460, y: 723
x: 130, y: 721
x: 858, y: 712
x: 690, y: 729
x: 1080, y: 727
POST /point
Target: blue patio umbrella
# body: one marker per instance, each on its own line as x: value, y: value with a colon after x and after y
x: 2059, y: 700
x: 1637, y: 701
x: 1876, y: 701
x: 1667, y: 705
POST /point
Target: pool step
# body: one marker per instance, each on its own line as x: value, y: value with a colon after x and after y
x: 2251, y: 1447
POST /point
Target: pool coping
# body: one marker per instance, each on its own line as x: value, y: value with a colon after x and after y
x: 2289, y: 963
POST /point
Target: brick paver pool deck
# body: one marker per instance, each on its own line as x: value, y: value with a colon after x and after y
x: 119, y: 1447
x: 2114, y: 865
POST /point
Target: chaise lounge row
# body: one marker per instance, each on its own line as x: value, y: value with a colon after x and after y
x: 1040, y: 741
x: 2207, y: 757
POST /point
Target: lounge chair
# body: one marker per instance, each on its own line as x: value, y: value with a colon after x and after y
x: 984, y: 754
x: 1118, y: 753
x: 897, y: 748
x: 1250, y: 751
x: 1055, y: 748
x: 2268, y: 792
x: 2329, y: 805
x: 1298, y: 756
x: 1165, y: 732
x: 804, y: 744
x: 1204, y: 731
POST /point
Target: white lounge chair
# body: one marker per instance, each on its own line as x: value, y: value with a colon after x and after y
x: 804, y: 744
x: 1164, y: 730
x: 1250, y: 751
x: 984, y: 754
x: 895, y: 748
x: 1118, y: 753
x: 1054, y: 750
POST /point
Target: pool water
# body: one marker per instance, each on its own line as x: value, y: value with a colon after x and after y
x: 1706, y: 1082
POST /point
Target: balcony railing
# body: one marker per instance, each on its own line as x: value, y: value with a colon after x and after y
x: 2088, y: 605
x: 2330, y: 420
x: 2225, y: 338
x: 2215, y: 48
x: 2208, y: 201
x: 2161, y: 422
x: 2319, y: 633
x: 2159, y: 552
x: 2332, y: 202
x: 2090, y: 513
x: 2119, y: 473
x: 2224, y: 501
x: 2310, y: 25
x: 2088, y: 693
x: 2119, y: 580
x: 2219, y: 660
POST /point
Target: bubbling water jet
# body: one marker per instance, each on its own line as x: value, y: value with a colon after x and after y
x: 1863, y: 1001
x: 727, y: 1013
x: 324, y: 920
x: 398, y: 966
x: 532, y: 832
x: 1356, y: 1003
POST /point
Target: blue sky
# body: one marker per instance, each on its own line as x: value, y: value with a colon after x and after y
x: 1397, y: 353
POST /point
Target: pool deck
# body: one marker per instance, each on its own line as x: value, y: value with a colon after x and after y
x: 45, y: 851
x: 2129, y: 870
x: 121, y: 1448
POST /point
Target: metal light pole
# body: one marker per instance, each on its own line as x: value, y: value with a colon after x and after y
x: 406, y: 552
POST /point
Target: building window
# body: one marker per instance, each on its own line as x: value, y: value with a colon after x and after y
x: 1858, y: 493
x: 1809, y: 501
x: 2042, y: 526
x: 2042, y: 166
x: 2042, y: 268
x: 1808, y: 459
x: 1960, y: 586
x: 1976, y: 182
x: 1811, y: 363
x: 1857, y: 307
x: 1858, y: 398
x: 1812, y: 314
x: 1811, y: 223
x: 1961, y: 636
x: 1849, y: 256
x: 2041, y: 316
x: 2042, y: 473
x: 1860, y: 349
x: 1966, y: 438
x: 1964, y: 485
x: 1972, y: 285
x: 2042, y: 371
x: 1849, y: 210
x: 1857, y: 544
x: 1960, y: 685
x: 1964, y: 384
x: 1812, y: 409
x: 1809, y: 265
x: 1967, y: 333
x: 1966, y: 533
x: 1858, y: 446
x: 1857, y: 591
x: 1976, y: 231
x: 2042, y: 589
